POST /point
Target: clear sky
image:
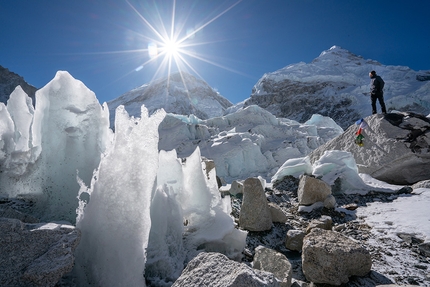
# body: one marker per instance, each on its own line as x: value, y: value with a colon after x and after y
x: 104, y: 43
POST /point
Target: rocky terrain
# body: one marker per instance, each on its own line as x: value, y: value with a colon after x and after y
x: 394, y: 262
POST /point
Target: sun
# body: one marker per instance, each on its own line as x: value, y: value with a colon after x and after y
x: 170, y: 47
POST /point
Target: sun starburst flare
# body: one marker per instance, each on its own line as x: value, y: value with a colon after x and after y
x: 173, y: 50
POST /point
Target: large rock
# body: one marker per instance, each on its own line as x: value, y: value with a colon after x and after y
x: 312, y: 190
x: 331, y: 258
x: 254, y: 212
x: 294, y: 239
x: 216, y: 270
x: 324, y: 222
x: 35, y: 254
x: 396, y: 147
x: 276, y: 213
x: 269, y: 260
x: 236, y: 187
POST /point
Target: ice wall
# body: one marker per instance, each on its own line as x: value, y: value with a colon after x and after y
x: 188, y: 216
x: 43, y: 149
x: 71, y: 129
x: 15, y: 139
x: 250, y: 142
x: 116, y: 222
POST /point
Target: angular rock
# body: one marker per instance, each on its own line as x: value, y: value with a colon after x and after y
x: 312, y: 190
x: 424, y: 248
x: 294, y: 240
x: 254, y: 212
x: 216, y: 270
x: 269, y: 260
x: 396, y: 148
x: 236, y: 187
x: 331, y: 258
x: 330, y: 202
x: 277, y: 214
x: 324, y: 222
x: 35, y: 254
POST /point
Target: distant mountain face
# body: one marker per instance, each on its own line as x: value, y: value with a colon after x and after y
x: 180, y: 94
x: 9, y: 81
x: 336, y: 84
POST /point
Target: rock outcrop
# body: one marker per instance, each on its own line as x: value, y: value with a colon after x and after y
x: 35, y: 254
x: 216, y: 270
x: 396, y: 147
x: 331, y: 258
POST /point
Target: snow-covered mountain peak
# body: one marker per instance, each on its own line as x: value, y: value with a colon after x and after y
x: 181, y: 93
x: 339, y: 55
x: 336, y: 84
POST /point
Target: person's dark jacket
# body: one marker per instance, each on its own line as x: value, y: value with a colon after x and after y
x: 376, y: 85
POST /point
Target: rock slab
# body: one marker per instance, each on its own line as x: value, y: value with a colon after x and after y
x: 216, y: 270
x: 35, y: 254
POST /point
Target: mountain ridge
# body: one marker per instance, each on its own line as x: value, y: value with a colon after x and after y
x: 181, y: 93
x: 336, y: 84
x: 9, y: 81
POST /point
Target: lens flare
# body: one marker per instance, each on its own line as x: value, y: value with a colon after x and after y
x: 152, y: 50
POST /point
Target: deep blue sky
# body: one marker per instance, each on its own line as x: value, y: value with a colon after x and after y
x: 93, y: 39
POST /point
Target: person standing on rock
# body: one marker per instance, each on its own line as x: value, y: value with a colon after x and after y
x: 376, y: 92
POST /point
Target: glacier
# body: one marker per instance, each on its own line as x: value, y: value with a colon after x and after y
x: 116, y: 187
x: 146, y: 196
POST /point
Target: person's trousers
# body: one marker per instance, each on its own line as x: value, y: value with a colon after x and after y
x: 380, y: 98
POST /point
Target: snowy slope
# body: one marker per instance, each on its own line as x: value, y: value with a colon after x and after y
x: 181, y: 94
x: 336, y: 84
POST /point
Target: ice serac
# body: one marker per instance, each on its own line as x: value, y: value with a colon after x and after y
x: 249, y: 142
x: 69, y: 131
x: 17, y: 153
x: 188, y: 216
x: 116, y: 222
x: 21, y: 110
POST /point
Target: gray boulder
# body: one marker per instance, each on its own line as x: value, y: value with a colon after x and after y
x: 396, y: 147
x: 269, y: 260
x: 236, y: 187
x: 312, y: 190
x: 35, y: 254
x: 331, y: 258
x: 254, y: 213
x: 294, y: 240
x: 9, y: 212
x: 324, y: 222
x: 276, y: 213
x: 330, y: 202
x: 424, y: 249
x: 216, y: 270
